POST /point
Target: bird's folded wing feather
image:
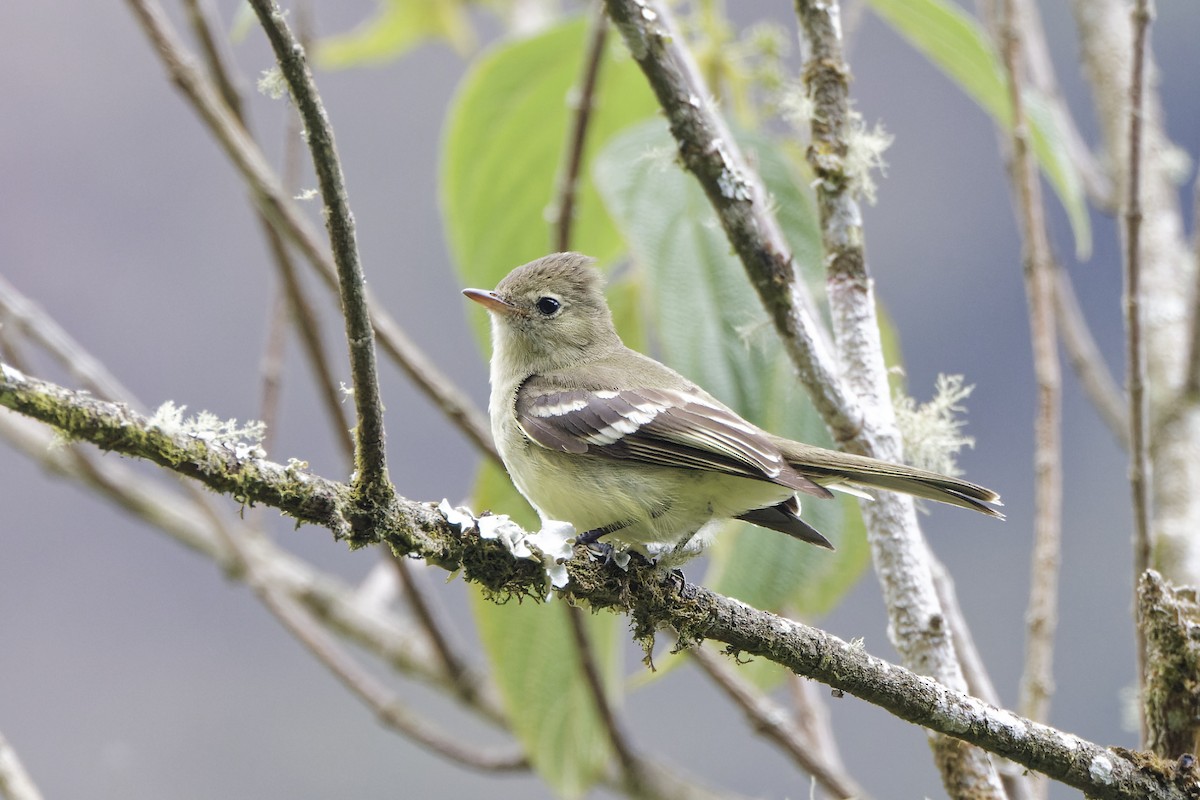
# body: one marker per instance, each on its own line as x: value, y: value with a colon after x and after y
x: 655, y: 426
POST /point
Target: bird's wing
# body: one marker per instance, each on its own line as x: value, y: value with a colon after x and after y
x: 654, y: 426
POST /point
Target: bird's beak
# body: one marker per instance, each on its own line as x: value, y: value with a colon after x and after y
x: 490, y: 300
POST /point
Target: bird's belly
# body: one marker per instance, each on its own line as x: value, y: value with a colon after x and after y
x: 656, y: 510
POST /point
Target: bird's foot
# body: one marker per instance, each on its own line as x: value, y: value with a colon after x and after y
x: 592, y: 537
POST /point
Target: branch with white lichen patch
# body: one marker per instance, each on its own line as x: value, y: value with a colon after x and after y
x: 654, y: 598
x: 854, y: 401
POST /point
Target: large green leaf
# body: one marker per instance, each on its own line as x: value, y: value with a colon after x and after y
x: 535, y: 662
x: 504, y: 141
x: 711, y: 327
x: 955, y: 43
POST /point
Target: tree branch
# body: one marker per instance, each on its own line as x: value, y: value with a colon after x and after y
x: 708, y: 150
x: 583, y: 97
x: 771, y: 721
x: 1037, y: 679
x: 278, y: 206
x: 898, y: 551
x: 1135, y: 352
x: 1106, y: 41
x: 655, y: 599
x: 371, y: 479
x: 385, y: 704
x: 859, y: 416
x: 298, y: 308
x: 1086, y: 360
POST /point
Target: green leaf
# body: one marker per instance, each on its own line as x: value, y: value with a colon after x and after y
x: 711, y: 326
x: 399, y: 26
x: 535, y: 662
x: 955, y: 43
x: 504, y: 141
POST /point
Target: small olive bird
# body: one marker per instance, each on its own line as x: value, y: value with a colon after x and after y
x: 622, y: 447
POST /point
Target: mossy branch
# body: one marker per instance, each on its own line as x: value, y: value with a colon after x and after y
x: 654, y: 599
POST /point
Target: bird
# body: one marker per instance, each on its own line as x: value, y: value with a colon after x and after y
x: 628, y: 450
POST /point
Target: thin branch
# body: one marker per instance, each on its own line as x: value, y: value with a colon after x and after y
x: 384, y: 703
x: 1086, y: 360
x: 771, y: 721
x: 271, y: 366
x: 371, y: 478
x: 308, y: 325
x: 655, y: 599
x: 15, y: 783
x: 633, y: 773
x: 583, y: 98
x: 300, y: 310
x: 1167, y: 269
x: 327, y: 598
x: 811, y: 715
x: 1135, y: 356
x: 400, y: 648
x: 1191, y: 383
x: 217, y: 58
x: 1096, y: 182
x: 1017, y: 782
x: 461, y: 678
x: 1037, y: 680
x: 278, y: 206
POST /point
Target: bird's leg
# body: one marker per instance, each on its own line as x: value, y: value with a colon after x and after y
x: 600, y: 551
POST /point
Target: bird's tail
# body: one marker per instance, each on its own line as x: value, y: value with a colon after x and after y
x: 830, y: 467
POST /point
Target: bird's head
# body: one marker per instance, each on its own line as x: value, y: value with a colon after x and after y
x: 548, y: 314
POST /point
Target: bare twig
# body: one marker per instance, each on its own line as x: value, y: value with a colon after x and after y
x: 1139, y: 462
x: 327, y: 598
x: 656, y: 599
x: 278, y: 206
x: 1037, y: 679
x: 1191, y: 383
x: 568, y: 179
x: 200, y: 19
x: 460, y: 677
x: 1086, y: 359
x: 371, y: 478
x: 384, y: 703
x: 15, y: 783
x: 772, y: 721
x: 1167, y: 264
x: 1096, y: 182
x: 271, y: 366
x: 632, y: 769
x: 1017, y: 782
x: 300, y: 310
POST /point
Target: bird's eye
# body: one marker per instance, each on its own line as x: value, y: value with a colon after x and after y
x: 547, y: 306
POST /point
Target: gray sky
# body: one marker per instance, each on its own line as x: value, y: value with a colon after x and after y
x: 131, y: 669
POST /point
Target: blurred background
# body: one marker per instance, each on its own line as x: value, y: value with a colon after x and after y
x: 130, y: 668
